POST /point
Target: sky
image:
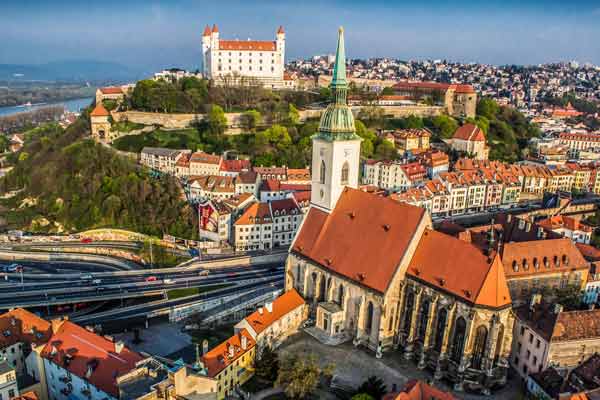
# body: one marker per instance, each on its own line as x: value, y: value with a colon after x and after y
x: 152, y: 34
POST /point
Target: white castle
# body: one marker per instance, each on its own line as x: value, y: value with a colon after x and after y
x: 262, y: 60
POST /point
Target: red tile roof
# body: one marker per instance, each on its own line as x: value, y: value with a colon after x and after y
x: 364, y: 238
x: 206, y: 31
x: 26, y: 396
x: 470, y: 132
x: 539, y: 257
x: 99, y: 111
x: 284, y: 304
x: 257, y: 213
x: 287, y: 205
x: 20, y: 325
x: 89, y: 352
x: 419, y: 390
x: 111, y: 90
x: 255, y: 45
x: 458, y: 88
x: 235, y: 165
x: 560, y: 222
x: 561, y: 326
x: 205, y: 158
x: 217, y: 359
x: 280, y: 30
x: 461, y: 269
x: 588, y: 252
x: 215, y: 29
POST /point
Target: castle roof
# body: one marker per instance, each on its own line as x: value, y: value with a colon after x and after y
x: 255, y: 45
x: 206, y: 31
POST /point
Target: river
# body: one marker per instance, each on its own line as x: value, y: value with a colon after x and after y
x: 70, y: 105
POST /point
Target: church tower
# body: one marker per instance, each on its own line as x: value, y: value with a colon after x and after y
x: 336, y: 146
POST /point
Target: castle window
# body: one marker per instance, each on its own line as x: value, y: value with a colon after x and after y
x: 515, y: 266
x: 345, y: 170
x: 322, y: 173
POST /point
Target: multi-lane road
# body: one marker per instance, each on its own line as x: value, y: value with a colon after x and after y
x: 76, y: 288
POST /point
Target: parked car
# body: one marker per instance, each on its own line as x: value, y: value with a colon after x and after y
x: 151, y: 279
x: 169, y: 281
x: 86, y: 240
x: 97, y: 281
x: 86, y: 277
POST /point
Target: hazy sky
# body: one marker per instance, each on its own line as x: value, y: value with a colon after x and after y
x: 150, y: 34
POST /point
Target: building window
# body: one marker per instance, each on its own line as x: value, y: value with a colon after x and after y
x: 322, y: 172
x: 345, y: 171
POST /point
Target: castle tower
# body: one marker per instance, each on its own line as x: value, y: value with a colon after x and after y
x: 336, y: 146
x: 206, y: 39
x: 280, y: 40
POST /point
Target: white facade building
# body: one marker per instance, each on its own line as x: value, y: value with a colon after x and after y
x: 260, y: 60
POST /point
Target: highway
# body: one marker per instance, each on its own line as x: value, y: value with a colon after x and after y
x: 36, y: 294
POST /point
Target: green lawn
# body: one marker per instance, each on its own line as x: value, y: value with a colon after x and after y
x: 126, y: 126
x: 177, y: 139
x: 177, y: 293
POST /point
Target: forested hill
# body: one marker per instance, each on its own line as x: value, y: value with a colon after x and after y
x: 80, y: 184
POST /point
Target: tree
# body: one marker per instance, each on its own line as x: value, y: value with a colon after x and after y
x: 250, y: 120
x: 385, y: 151
x: 444, y: 126
x: 488, y: 108
x: 299, y: 376
x: 293, y: 115
x: 267, y: 365
x: 362, y: 396
x: 372, y: 116
x: 217, y: 121
x: 374, y: 387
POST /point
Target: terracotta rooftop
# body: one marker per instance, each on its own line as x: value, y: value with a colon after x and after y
x: 541, y: 257
x: 236, y: 165
x: 458, y: 88
x: 419, y: 390
x: 564, y: 222
x: 26, y: 396
x: 206, y: 31
x: 561, y: 326
x: 287, y: 302
x: 22, y: 326
x: 99, y: 111
x: 246, y: 177
x: 217, y: 359
x: 245, y: 45
x: 364, y: 238
x: 89, y: 356
x: 257, y: 213
x: 284, y: 206
x: 111, y: 90
x: 470, y: 132
x: 205, y: 158
x: 461, y: 269
x: 590, y: 253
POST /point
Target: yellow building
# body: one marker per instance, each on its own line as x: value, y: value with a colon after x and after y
x: 231, y: 362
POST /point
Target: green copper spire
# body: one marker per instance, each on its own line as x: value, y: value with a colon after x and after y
x: 339, y: 69
x: 337, y: 122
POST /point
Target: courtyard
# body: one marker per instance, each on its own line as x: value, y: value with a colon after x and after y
x: 354, y: 365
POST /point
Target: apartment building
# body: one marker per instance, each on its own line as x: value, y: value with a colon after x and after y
x: 161, y: 159
x: 203, y: 164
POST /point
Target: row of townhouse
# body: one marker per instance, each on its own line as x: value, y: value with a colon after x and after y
x: 393, y: 175
x: 577, y: 142
x: 268, y: 225
x: 453, y: 193
x: 60, y: 360
x: 536, y: 179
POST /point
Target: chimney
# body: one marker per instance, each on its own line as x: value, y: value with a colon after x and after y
x: 540, y: 234
x: 231, y: 351
x: 269, y: 307
x: 13, y: 321
x: 56, y: 324
x: 119, y: 346
x: 244, y: 341
x: 260, y: 310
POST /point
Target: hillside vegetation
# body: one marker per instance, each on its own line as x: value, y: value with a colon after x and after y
x: 72, y: 182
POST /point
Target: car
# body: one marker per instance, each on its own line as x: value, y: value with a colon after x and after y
x: 151, y: 279
x: 86, y: 277
x: 97, y: 281
x: 169, y: 281
x: 13, y: 268
x: 86, y: 240
x: 204, y: 272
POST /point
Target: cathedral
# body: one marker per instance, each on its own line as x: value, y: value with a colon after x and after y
x: 374, y: 271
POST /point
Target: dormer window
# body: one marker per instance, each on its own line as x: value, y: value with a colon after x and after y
x: 515, y: 266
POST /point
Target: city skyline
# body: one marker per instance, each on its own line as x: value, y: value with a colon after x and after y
x: 134, y: 33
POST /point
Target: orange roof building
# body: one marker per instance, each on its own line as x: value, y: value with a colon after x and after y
x: 419, y: 390
x: 90, y: 357
x: 99, y: 111
x: 272, y: 323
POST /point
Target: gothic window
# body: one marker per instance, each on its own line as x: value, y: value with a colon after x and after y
x: 440, y: 328
x: 322, y: 289
x: 499, y: 343
x: 422, y: 330
x: 410, y: 302
x: 369, y: 318
x: 322, y: 172
x: 458, y: 341
x: 341, y: 296
x: 479, y: 346
x: 345, y: 169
